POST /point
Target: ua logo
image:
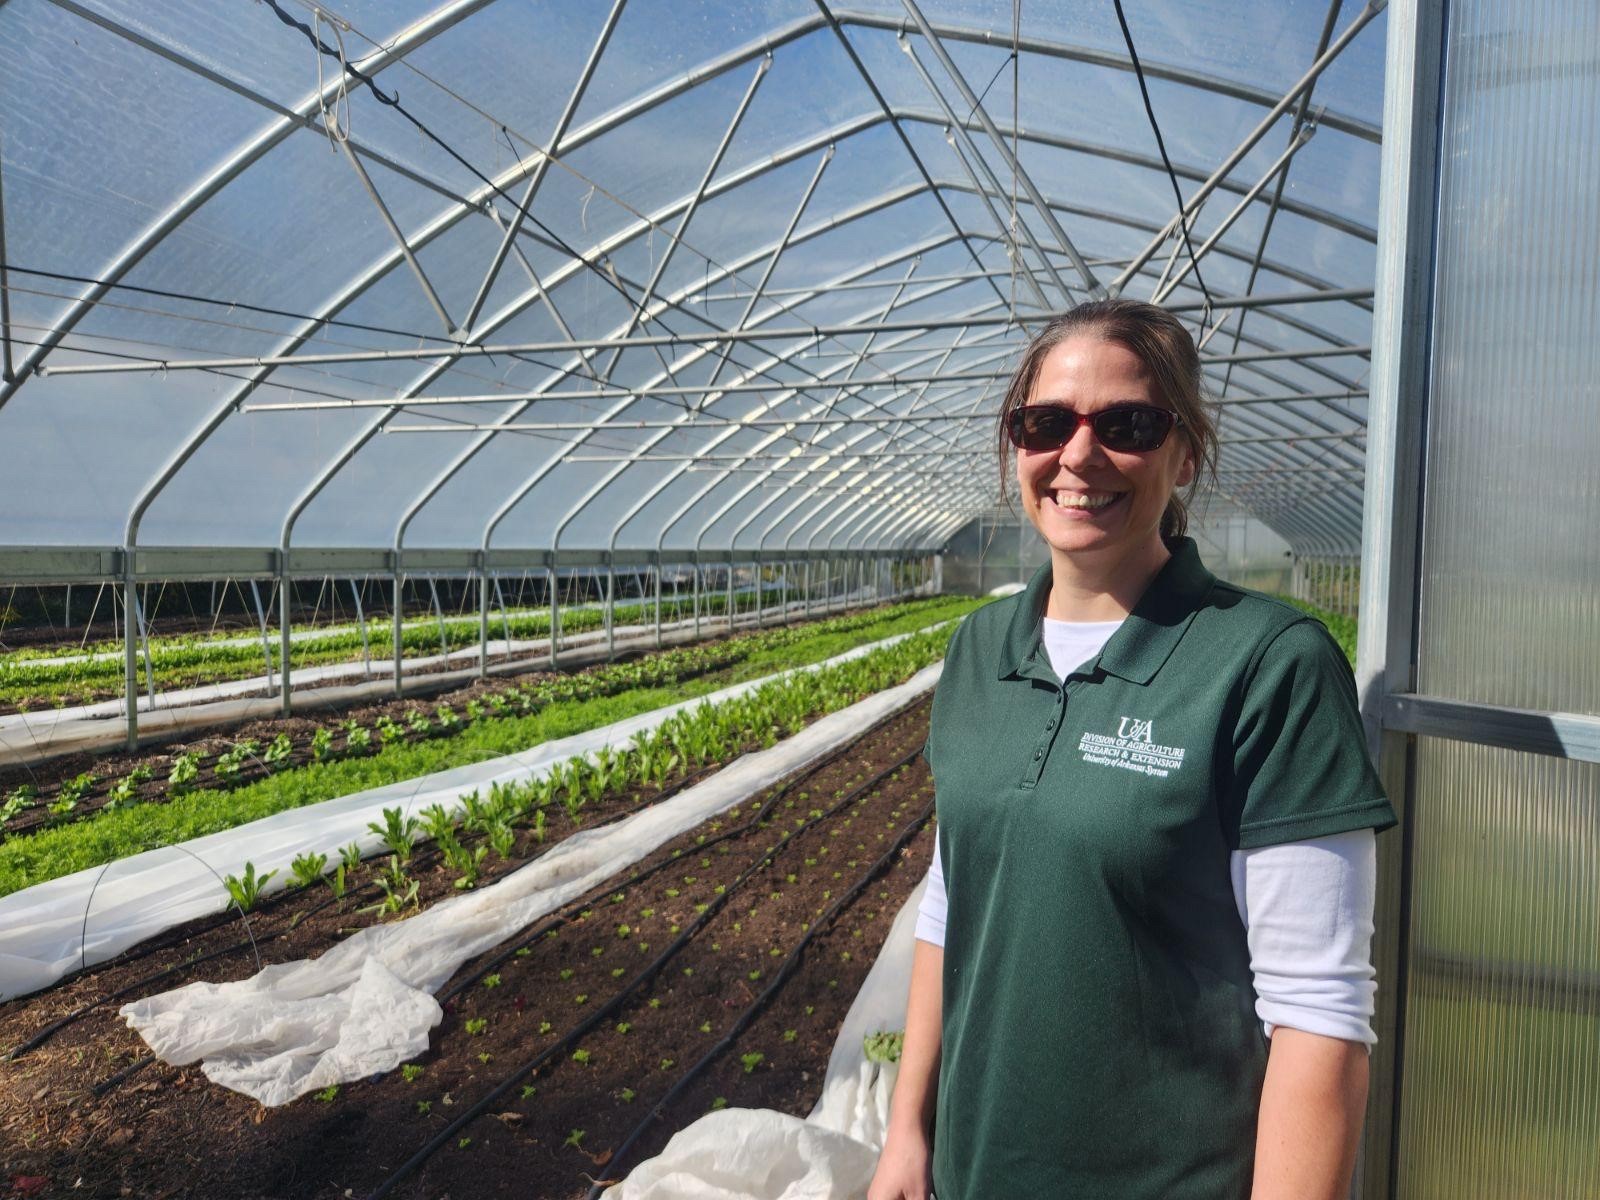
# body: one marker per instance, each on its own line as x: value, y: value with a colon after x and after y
x: 1134, y: 730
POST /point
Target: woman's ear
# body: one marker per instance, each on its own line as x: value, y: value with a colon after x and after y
x: 1187, y: 469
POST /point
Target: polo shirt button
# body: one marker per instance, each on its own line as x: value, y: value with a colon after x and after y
x: 1037, y: 755
x: 1050, y: 724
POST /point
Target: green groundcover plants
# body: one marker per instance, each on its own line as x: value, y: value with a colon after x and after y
x: 123, y: 831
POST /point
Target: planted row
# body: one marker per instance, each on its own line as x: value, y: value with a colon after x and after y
x: 190, y: 661
x: 117, y: 834
x: 28, y: 808
x: 703, y: 735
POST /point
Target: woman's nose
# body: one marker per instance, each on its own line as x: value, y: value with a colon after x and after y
x: 1081, y: 448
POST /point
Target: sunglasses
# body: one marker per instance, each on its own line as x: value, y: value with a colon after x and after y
x: 1129, y: 428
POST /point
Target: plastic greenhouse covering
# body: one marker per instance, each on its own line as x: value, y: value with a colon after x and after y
x: 650, y: 277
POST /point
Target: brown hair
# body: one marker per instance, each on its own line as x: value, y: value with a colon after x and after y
x: 1159, y: 341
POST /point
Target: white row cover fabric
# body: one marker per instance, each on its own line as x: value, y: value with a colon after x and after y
x: 759, y: 1154
x: 367, y: 1005
x: 61, y: 926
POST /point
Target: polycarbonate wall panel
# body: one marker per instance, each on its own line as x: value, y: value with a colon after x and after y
x: 1500, y: 1097
x: 1511, y: 552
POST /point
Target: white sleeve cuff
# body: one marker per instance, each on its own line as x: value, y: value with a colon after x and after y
x: 931, y: 912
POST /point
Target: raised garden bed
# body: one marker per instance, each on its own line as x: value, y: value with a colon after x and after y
x: 479, y: 722
x: 671, y: 958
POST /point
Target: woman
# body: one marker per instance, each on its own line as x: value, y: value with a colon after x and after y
x: 1148, y: 974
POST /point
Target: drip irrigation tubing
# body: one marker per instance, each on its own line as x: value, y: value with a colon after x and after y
x: 643, y: 978
x: 254, y: 776
x: 420, y: 862
x: 556, y: 921
x: 747, y: 1018
x: 158, y: 944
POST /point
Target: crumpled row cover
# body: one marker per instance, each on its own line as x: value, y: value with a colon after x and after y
x: 367, y: 1005
x: 758, y: 1154
x: 54, y: 928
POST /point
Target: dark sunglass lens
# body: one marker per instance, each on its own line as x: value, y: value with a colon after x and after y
x: 1134, y: 429
x: 1040, y: 426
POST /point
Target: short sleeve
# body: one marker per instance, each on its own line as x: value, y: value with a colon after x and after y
x: 1300, y: 765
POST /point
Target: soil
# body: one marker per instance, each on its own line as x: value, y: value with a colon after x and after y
x: 108, y: 768
x: 740, y: 893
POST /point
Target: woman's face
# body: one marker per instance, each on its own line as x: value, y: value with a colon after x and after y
x: 1093, y: 505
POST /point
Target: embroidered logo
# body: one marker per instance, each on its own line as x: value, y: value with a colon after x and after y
x: 1134, y: 730
x: 1132, y: 748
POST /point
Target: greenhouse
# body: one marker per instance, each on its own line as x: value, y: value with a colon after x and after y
x: 491, y: 488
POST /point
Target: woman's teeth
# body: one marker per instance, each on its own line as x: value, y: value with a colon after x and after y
x: 1071, y: 500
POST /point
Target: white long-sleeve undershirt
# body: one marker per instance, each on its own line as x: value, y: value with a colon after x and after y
x: 1306, y: 905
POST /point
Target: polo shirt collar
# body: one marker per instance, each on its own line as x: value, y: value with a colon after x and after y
x: 1146, y: 639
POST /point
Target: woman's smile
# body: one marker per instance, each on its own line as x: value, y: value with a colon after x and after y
x: 1099, y: 509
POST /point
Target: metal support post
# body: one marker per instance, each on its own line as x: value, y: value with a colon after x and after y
x: 361, y: 620
x: 399, y: 602
x: 611, y: 612
x: 656, y: 579
x: 483, y: 621
x: 284, y: 695
x: 261, y: 619
x: 553, y: 580
x: 130, y: 675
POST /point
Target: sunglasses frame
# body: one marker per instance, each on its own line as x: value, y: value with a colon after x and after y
x: 1015, y: 417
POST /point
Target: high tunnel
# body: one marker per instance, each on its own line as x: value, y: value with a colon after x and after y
x: 660, y: 297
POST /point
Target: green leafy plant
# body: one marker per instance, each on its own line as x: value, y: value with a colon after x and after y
x: 399, y: 889
x: 327, y: 1094
x: 307, y: 868
x: 279, y: 751
x: 125, y: 790
x: 398, y: 833
x: 884, y: 1046
x: 411, y: 1072
x: 181, y: 776
x: 476, y: 1025
x: 246, y: 890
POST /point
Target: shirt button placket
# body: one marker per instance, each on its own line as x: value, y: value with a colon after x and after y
x: 1045, y: 738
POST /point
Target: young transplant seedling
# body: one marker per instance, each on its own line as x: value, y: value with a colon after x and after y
x: 246, y: 891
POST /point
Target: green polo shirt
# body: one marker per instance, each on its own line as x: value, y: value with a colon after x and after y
x: 1100, y: 1039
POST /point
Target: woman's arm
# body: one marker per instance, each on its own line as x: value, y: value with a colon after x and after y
x: 1311, y: 1108
x: 905, y: 1169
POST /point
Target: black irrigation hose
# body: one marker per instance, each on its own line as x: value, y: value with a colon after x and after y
x: 566, y: 914
x: 421, y: 862
x: 860, y: 618
x: 89, y: 814
x: 563, y: 916
x: 100, y: 1089
x: 107, y: 1085
x: 747, y: 1018
x: 645, y: 976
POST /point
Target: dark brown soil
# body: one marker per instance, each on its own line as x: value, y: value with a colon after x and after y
x: 108, y: 768
x: 169, y: 1132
